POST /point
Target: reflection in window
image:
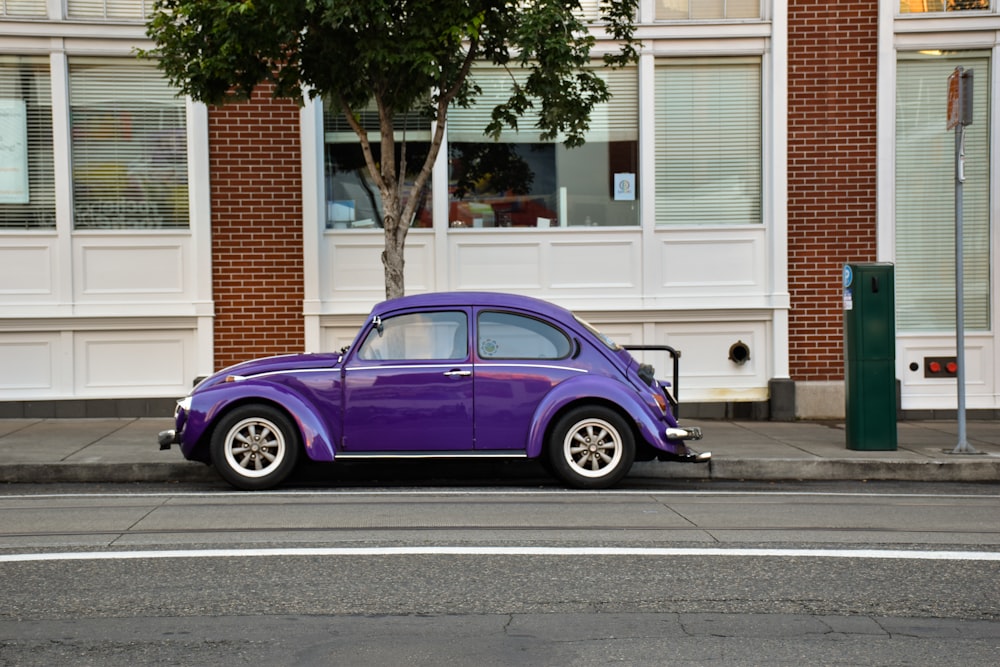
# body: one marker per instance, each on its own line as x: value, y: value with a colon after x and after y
x: 929, y: 6
x: 353, y: 200
x: 128, y: 146
x: 520, y: 181
x: 510, y: 336
x: 708, y: 141
x: 27, y: 177
x: 418, y: 337
x: 707, y: 9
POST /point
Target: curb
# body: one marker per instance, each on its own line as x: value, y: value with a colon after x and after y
x: 774, y: 470
x: 982, y: 469
x: 110, y: 473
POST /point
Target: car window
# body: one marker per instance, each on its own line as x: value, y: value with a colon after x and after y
x: 510, y: 336
x: 418, y: 336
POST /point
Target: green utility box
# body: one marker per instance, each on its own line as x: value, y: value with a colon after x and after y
x: 870, y: 347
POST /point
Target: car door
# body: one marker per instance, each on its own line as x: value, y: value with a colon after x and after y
x: 408, y: 387
x: 519, y: 359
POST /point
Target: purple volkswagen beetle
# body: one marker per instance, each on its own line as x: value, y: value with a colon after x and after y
x: 446, y: 375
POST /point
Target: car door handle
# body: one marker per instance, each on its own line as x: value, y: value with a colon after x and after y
x: 458, y: 373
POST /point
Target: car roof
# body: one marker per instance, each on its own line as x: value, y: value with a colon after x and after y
x: 457, y: 299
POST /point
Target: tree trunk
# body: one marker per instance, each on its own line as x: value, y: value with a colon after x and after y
x: 393, y: 261
x: 395, y: 240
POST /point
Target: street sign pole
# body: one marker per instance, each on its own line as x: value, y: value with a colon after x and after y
x: 960, y: 115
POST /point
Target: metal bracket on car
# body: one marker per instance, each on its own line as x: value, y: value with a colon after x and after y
x: 675, y: 356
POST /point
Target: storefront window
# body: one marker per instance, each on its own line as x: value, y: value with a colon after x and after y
x: 929, y: 6
x: 128, y: 146
x: 521, y: 181
x: 27, y: 190
x: 707, y: 9
x: 925, y: 194
x: 352, y: 197
x: 708, y: 141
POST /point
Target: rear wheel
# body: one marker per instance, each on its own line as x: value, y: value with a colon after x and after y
x: 591, y: 447
x: 255, y: 447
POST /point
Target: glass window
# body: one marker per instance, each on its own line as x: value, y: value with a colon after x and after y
x: 27, y: 181
x: 353, y: 200
x: 708, y: 141
x: 25, y: 8
x: 510, y: 336
x: 128, y: 10
x: 707, y: 9
x: 521, y: 181
x: 418, y: 337
x: 128, y: 146
x: 925, y: 194
x: 927, y: 6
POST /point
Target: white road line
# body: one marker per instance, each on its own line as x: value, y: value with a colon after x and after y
x: 871, y: 554
x: 490, y: 492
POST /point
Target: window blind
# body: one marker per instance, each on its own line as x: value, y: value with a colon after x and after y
x: 615, y: 120
x: 27, y: 181
x: 126, y: 10
x: 708, y: 142
x: 26, y: 8
x: 128, y: 146
x: 925, y: 195
x: 707, y: 9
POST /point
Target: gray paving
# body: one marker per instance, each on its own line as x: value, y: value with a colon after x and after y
x: 125, y: 450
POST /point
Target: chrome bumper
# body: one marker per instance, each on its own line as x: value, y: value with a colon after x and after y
x: 688, y: 433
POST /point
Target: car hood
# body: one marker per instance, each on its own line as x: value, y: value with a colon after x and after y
x: 286, y: 362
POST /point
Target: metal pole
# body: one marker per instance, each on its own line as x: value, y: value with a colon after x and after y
x: 963, y: 446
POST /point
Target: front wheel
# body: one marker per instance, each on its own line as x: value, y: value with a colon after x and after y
x: 591, y: 447
x: 255, y: 447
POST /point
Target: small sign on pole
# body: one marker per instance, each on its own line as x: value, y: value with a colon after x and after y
x: 959, y: 98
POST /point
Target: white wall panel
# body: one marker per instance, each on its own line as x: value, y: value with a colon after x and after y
x: 128, y: 269
x: 26, y: 269
x: 144, y: 362
x: 355, y: 279
x: 609, y: 266
x: 493, y: 264
x: 29, y: 364
x: 923, y: 393
x: 602, y: 266
x: 713, y: 265
x: 707, y: 374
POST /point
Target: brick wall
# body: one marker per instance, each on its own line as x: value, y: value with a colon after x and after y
x: 831, y: 172
x: 255, y: 166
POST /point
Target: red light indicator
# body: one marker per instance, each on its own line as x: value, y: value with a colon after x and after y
x: 934, y: 367
x: 952, y: 367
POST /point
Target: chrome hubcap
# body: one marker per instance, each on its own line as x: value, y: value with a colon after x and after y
x: 254, y: 447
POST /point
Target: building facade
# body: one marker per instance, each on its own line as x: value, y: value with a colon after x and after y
x: 756, y: 147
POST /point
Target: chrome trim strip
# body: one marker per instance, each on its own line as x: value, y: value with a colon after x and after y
x: 444, y: 454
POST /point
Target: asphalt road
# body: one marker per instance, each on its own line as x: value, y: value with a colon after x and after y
x: 891, y: 574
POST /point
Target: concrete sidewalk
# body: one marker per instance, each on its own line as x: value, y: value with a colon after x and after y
x: 125, y: 450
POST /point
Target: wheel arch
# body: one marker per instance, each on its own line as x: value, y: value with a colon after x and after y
x: 314, y: 436
x: 606, y: 393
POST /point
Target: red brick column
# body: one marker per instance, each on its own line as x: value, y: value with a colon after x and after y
x: 832, y: 82
x: 257, y: 279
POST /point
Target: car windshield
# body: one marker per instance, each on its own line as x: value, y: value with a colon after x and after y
x: 612, y: 345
